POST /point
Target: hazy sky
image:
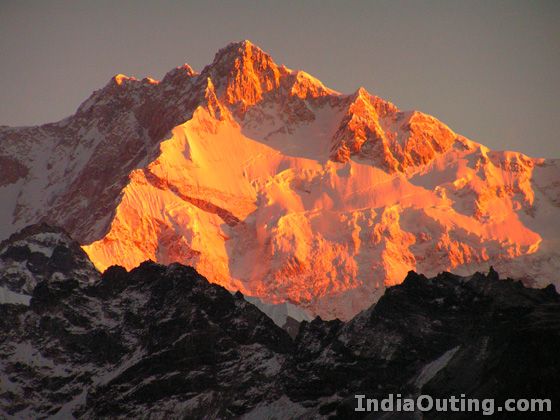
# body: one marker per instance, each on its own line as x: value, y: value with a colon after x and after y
x: 489, y: 69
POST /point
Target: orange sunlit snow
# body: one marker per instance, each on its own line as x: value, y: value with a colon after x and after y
x: 287, y: 190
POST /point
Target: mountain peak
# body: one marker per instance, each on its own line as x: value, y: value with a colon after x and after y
x: 264, y: 180
x: 242, y: 73
x: 361, y: 92
x: 179, y: 73
x: 41, y: 252
x: 119, y: 79
x: 244, y: 47
x: 239, y: 53
x: 305, y: 85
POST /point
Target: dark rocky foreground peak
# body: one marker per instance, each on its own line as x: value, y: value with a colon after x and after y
x: 39, y: 253
x: 161, y: 341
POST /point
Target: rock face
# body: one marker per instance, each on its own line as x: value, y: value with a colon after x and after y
x: 158, y: 340
x: 448, y: 335
x: 164, y: 342
x: 41, y: 253
x: 268, y: 182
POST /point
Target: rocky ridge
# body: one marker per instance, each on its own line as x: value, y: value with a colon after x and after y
x: 163, y: 341
x: 268, y: 182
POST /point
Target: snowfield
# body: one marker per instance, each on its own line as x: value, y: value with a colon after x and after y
x: 270, y: 183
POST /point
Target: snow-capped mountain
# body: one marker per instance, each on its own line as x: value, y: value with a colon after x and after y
x: 161, y: 341
x: 40, y: 253
x: 270, y: 183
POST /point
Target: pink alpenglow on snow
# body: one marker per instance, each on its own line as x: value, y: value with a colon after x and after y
x: 270, y: 183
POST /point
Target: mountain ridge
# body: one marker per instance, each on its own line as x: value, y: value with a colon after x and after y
x: 270, y: 183
x: 163, y: 341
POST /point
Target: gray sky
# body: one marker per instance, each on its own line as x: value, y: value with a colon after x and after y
x: 489, y: 69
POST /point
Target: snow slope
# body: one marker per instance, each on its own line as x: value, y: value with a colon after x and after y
x: 270, y: 183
